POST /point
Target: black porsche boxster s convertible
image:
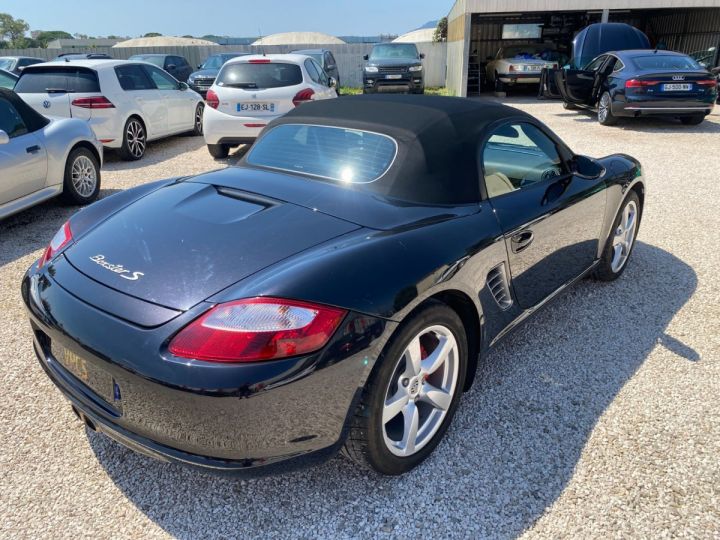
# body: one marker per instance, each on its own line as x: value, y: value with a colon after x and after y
x: 335, y: 291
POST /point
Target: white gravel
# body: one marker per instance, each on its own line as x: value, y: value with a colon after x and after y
x: 600, y: 418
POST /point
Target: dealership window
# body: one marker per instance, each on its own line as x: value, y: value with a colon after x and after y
x: 522, y: 31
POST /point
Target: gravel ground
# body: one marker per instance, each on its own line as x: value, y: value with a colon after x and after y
x: 599, y: 418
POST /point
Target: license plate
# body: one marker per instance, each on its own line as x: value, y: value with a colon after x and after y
x: 256, y: 107
x: 393, y: 76
x: 677, y: 87
x: 91, y: 375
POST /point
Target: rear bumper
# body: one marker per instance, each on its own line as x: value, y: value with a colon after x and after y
x: 249, y: 418
x: 521, y: 78
x: 630, y: 106
x: 221, y: 128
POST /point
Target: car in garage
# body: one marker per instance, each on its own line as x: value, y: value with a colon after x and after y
x: 336, y: 290
x: 202, y: 79
x: 521, y: 64
x: 326, y: 59
x: 174, y: 64
x: 251, y: 91
x: 635, y: 83
x: 42, y: 158
x: 7, y: 79
x: 127, y: 104
x: 15, y: 64
x: 394, y: 68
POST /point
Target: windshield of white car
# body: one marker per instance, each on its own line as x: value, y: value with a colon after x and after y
x: 344, y: 155
x: 405, y: 51
x: 530, y: 52
x: 6, y: 63
x: 665, y: 61
x: 259, y: 75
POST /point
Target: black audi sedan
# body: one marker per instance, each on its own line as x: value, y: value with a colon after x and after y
x: 336, y: 290
x: 640, y: 83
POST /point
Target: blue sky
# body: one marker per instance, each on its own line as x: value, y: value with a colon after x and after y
x: 226, y: 17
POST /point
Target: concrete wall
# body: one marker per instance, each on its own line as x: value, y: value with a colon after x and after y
x: 349, y: 57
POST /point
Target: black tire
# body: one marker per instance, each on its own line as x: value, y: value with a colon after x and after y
x: 81, y: 183
x: 604, y: 105
x: 198, y: 125
x: 366, y: 442
x: 569, y: 106
x: 219, y: 151
x: 693, y: 120
x: 134, y: 140
x: 604, y: 270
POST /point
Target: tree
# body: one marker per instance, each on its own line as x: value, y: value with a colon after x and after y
x: 441, y: 30
x: 13, y: 30
x: 152, y: 34
x: 46, y: 36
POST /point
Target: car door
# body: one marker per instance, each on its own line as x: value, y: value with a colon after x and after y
x: 180, y: 103
x: 145, y: 97
x: 23, y: 158
x: 550, y: 218
x: 577, y: 85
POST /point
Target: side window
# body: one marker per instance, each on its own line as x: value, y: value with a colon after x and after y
x: 517, y: 156
x: 329, y: 60
x: 162, y: 80
x: 595, y: 64
x: 321, y: 73
x: 182, y: 62
x: 312, y: 70
x: 133, y: 77
x: 6, y: 81
x: 618, y: 65
x: 10, y: 120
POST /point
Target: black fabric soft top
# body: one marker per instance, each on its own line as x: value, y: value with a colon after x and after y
x: 437, y: 140
x: 33, y: 120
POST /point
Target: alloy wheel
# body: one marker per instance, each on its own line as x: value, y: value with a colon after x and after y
x: 199, y: 110
x: 84, y: 176
x: 624, y: 236
x: 420, y: 391
x: 604, y: 107
x: 135, y: 136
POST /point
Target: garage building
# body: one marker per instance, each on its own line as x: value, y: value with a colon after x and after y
x: 478, y: 28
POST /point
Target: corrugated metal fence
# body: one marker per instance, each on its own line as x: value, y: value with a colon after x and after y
x: 349, y: 57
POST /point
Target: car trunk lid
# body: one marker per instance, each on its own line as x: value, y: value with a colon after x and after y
x: 672, y: 84
x: 187, y: 241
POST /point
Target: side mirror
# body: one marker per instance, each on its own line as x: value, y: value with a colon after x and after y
x: 422, y: 55
x: 330, y: 66
x: 183, y: 86
x: 366, y: 57
x: 332, y: 82
x: 4, y: 137
x: 199, y: 66
x: 586, y: 167
x: 171, y: 66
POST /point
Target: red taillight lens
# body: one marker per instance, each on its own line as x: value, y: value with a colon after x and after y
x: 256, y: 329
x: 97, y: 102
x: 303, y: 95
x: 637, y: 83
x: 259, y: 61
x: 58, y: 243
x: 212, y: 99
x: 707, y: 82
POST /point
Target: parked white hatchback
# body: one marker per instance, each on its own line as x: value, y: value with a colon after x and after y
x: 126, y: 103
x: 251, y: 91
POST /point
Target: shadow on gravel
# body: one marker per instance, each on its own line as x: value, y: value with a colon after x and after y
x: 32, y: 229
x: 645, y: 124
x: 156, y: 152
x: 508, y: 456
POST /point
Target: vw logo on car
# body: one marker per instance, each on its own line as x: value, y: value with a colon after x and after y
x: 46, y: 103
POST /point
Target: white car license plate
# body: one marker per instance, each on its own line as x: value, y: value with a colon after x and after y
x: 398, y: 76
x: 677, y: 87
x: 256, y: 107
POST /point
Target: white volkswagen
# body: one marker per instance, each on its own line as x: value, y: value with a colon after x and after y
x: 251, y: 91
x: 125, y: 103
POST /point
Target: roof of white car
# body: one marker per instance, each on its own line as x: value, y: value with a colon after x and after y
x: 95, y: 64
x: 294, y: 58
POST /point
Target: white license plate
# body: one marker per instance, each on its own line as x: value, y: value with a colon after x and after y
x: 393, y: 76
x: 677, y: 87
x: 256, y: 107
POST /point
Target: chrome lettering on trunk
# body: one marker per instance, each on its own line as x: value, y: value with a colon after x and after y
x: 116, y: 268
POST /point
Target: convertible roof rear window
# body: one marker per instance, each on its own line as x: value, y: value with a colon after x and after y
x: 334, y: 153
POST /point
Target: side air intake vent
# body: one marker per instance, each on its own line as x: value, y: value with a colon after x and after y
x: 498, y: 284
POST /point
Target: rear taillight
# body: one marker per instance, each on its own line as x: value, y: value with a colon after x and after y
x: 707, y: 82
x: 637, y: 83
x: 59, y: 242
x: 259, y: 61
x: 212, y: 99
x: 97, y: 102
x: 256, y: 329
x: 303, y: 95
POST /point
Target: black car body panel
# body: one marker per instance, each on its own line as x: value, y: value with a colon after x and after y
x: 174, y: 64
x: 373, y: 255
x: 383, y: 72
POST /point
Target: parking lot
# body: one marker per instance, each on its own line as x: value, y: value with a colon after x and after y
x: 598, y: 418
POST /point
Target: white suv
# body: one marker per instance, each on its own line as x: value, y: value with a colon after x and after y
x: 126, y: 103
x: 250, y: 91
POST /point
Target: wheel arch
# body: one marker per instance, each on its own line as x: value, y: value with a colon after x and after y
x: 88, y: 146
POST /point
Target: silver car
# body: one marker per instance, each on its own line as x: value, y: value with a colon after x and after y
x: 42, y: 158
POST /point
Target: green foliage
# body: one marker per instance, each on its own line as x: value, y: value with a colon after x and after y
x: 441, y: 30
x: 13, y: 31
x: 152, y: 34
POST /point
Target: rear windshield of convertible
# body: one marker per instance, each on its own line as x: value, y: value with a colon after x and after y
x: 333, y: 153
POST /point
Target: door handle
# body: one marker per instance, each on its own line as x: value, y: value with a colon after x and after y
x: 32, y: 149
x: 521, y: 241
